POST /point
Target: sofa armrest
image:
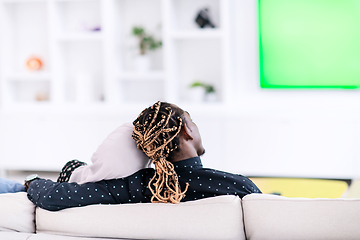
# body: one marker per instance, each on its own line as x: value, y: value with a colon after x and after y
x: 17, y: 213
x: 275, y: 217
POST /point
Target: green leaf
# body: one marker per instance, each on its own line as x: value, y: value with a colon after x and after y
x: 208, y: 88
x: 146, y: 42
x: 138, y: 31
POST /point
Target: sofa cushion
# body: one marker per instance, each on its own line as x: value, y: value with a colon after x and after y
x: 44, y: 236
x: 16, y: 213
x: 210, y: 218
x: 276, y: 217
x: 15, y: 235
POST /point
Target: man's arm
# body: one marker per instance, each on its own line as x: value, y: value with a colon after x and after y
x: 55, y: 196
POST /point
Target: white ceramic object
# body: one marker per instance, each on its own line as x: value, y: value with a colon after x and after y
x: 211, y: 97
x: 196, y: 94
x: 142, y: 63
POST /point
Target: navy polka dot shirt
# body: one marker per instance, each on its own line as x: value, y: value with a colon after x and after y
x: 203, y: 182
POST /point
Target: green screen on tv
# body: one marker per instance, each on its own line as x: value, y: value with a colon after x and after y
x: 309, y: 43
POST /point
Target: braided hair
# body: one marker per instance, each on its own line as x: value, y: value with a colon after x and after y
x: 156, y: 133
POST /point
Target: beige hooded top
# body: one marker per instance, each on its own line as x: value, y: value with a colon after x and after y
x: 116, y: 157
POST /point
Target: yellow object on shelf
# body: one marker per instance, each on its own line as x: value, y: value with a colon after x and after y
x: 301, y: 187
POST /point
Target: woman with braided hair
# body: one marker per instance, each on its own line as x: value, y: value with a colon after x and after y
x: 168, y: 136
x: 156, y: 132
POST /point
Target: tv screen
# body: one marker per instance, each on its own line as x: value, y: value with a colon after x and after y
x: 309, y: 43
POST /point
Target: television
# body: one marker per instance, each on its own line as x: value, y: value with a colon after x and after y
x: 309, y: 43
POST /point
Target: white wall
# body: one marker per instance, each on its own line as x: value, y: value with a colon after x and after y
x: 310, y: 133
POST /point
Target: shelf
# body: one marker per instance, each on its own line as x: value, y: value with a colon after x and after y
x: 60, y: 32
x: 197, y: 34
x: 152, y: 75
x: 36, y: 76
x: 99, y: 110
x: 83, y: 36
x: 75, y: 1
x: 23, y: 1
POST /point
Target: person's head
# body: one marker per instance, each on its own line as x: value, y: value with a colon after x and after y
x: 165, y: 133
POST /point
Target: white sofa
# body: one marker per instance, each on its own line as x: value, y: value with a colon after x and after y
x: 256, y: 216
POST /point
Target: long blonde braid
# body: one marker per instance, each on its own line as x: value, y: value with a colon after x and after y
x: 154, y: 132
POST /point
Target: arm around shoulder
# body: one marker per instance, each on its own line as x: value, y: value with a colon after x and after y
x: 55, y: 196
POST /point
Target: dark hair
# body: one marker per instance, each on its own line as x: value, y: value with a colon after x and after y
x: 156, y: 133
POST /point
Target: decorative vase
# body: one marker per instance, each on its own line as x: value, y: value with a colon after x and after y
x: 196, y: 95
x: 211, y: 97
x: 142, y: 63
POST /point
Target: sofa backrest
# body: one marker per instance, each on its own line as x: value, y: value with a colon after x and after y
x: 17, y: 213
x: 275, y: 217
x: 210, y: 218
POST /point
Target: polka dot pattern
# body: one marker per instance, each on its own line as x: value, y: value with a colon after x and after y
x: 203, y: 182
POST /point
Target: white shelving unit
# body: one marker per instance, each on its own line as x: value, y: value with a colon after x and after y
x: 89, y: 83
x: 88, y: 52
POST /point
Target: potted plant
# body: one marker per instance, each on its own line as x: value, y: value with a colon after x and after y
x: 202, y: 91
x: 146, y: 43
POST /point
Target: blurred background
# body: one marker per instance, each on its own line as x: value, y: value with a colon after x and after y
x: 271, y: 84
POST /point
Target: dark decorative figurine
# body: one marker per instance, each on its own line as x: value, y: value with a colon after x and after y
x: 202, y: 19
